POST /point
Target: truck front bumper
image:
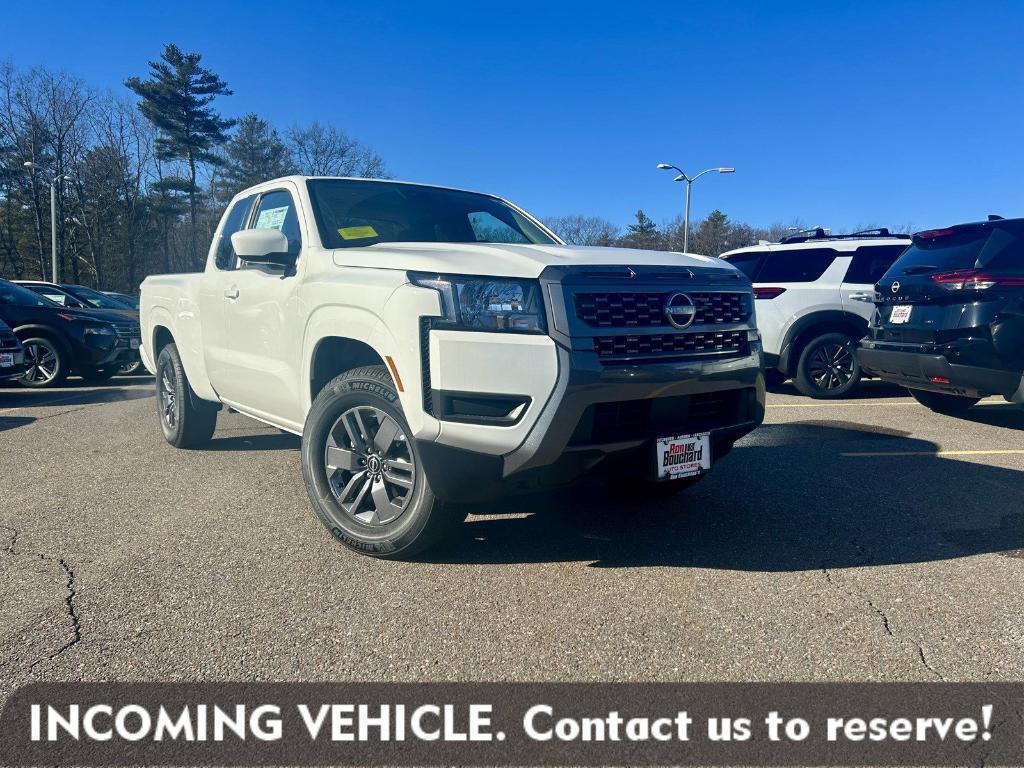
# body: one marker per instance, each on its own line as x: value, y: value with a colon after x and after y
x: 606, y: 419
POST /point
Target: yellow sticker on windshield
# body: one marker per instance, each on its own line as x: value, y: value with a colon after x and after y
x: 357, y: 233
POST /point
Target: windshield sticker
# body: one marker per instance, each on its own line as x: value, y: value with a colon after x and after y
x: 272, y: 218
x: 357, y: 233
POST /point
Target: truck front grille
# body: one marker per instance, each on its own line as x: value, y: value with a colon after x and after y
x: 660, y: 417
x: 611, y: 349
x: 647, y: 310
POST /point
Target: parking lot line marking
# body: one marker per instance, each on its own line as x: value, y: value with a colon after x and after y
x: 833, y: 405
x: 994, y: 452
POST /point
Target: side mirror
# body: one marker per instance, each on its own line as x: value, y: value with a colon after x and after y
x: 262, y: 246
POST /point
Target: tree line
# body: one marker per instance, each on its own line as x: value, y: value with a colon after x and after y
x: 142, y: 176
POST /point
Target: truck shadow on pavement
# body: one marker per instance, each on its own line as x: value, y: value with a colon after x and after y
x: 790, y: 497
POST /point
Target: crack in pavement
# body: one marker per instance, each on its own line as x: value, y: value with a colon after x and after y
x: 884, y: 618
x: 72, y: 609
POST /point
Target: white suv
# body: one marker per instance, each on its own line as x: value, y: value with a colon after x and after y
x: 815, y: 296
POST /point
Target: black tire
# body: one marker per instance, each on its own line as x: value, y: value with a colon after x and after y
x: 49, y: 363
x: 187, y: 421
x: 97, y: 375
x: 941, y: 403
x: 411, y: 519
x: 651, y: 490
x: 828, y: 367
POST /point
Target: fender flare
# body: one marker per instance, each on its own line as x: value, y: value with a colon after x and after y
x: 789, y: 355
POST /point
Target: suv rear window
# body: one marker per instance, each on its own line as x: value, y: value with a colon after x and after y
x: 996, y: 248
x: 870, y: 262
x: 747, y: 262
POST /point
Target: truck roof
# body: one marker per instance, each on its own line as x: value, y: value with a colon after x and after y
x: 298, y: 178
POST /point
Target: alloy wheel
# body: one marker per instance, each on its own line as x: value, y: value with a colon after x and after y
x: 168, y: 399
x: 42, y: 360
x: 831, y: 366
x: 370, y: 467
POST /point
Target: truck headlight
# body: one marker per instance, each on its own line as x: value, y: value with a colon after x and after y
x: 100, y: 330
x: 485, y: 303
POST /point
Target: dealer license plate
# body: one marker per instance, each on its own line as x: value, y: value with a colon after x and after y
x: 6, y: 359
x: 134, y: 343
x: 900, y: 314
x: 684, y: 456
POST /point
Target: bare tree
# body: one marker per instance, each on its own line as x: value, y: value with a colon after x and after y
x: 324, y: 150
x: 575, y: 229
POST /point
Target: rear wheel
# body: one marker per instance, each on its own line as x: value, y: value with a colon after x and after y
x: 363, y: 472
x: 943, y: 403
x: 186, y: 420
x: 48, y: 364
x: 828, y: 367
x: 130, y: 369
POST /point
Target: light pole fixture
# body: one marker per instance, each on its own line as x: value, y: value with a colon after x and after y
x: 53, y: 213
x: 689, y: 182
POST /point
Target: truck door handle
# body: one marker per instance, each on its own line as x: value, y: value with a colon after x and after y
x: 862, y: 297
x: 231, y: 293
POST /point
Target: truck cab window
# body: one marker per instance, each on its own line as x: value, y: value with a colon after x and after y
x: 277, y: 211
x: 234, y: 221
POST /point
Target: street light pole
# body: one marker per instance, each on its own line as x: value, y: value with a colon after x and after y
x: 53, y: 216
x: 689, y: 183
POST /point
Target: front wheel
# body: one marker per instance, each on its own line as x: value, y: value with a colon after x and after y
x: 187, y: 422
x: 363, y: 472
x: 943, y: 403
x: 828, y: 367
x: 47, y: 363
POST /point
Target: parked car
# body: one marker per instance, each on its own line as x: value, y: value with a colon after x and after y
x: 12, y: 354
x: 86, y: 298
x: 950, y: 320
x: 132, y: 302
x: 815, y: 296
x: 434, y: 346
x: 62, y: 340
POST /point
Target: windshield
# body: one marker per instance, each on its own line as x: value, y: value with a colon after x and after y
x: 96, y: 299
x: 359, y: 213
x: 15, y: 294
x: 57, y: 296
x: 995, y: 248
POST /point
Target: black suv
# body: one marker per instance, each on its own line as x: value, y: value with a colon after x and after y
x: 950, y: 319
x: 61, y: 340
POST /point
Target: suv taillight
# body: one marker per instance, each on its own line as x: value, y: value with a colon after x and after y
x: 974, y: 280
x: 768, y: 293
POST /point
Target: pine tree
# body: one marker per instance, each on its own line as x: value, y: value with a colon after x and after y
x: 643, y: 234
x: 177, y: 99
x: 255, y: 153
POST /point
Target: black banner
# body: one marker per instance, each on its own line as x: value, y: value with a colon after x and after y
x: 514, y: 724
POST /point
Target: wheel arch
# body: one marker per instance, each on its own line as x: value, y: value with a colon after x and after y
x: 29, y: 330
x: 334, y: 355
x: 817, y: 324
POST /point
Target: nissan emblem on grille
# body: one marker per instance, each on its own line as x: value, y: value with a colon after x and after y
x: 895, y: 287
x: 680, y: 310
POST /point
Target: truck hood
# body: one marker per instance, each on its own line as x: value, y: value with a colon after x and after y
x: 507, y: 260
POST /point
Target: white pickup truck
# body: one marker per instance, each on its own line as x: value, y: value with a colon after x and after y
x: 434, y: 346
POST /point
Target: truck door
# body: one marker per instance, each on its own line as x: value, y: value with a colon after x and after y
x: 215, y: 283
x: 264, y: 323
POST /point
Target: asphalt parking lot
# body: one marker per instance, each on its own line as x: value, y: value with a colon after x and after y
x: 866, y: 539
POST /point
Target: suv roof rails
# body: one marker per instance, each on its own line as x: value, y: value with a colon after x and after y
x: 821, y: 234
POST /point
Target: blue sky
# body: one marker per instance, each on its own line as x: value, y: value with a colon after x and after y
x: 841, y: 114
